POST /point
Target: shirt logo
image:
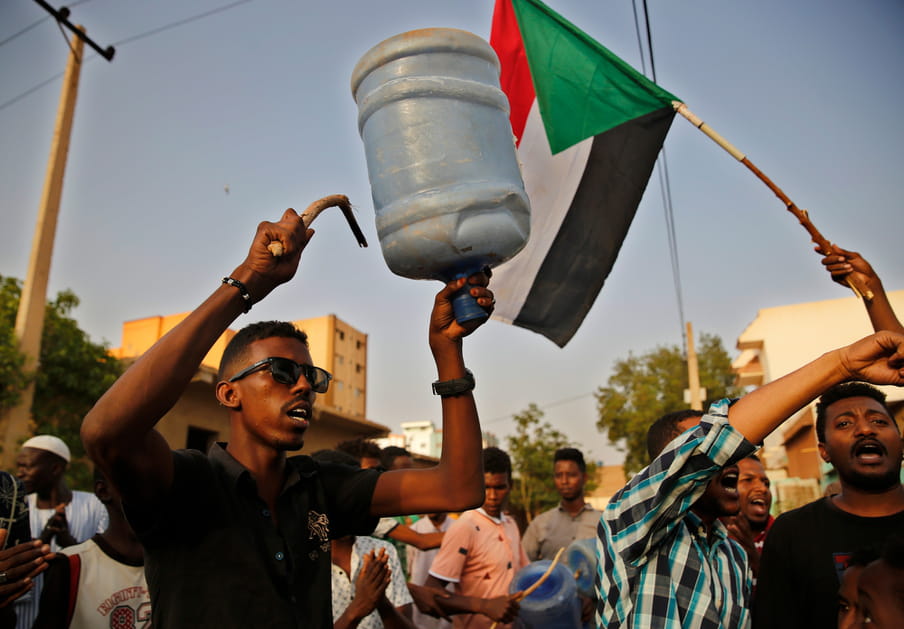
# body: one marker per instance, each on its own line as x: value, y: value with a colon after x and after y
x: 319, y: 531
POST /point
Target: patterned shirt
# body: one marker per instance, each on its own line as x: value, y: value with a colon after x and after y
x: 480, y: 554
x: 658, y: 568
x: 343, y: 587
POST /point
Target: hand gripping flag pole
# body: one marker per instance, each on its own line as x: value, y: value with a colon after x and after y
x: 824, y: 245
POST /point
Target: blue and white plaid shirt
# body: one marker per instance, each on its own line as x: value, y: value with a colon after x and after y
x: 657, y: 566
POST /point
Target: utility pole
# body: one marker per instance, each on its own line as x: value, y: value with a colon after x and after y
x: 693, y: 373
x: 14, y: 424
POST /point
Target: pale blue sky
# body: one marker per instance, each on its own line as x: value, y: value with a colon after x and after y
x: 257, y: 98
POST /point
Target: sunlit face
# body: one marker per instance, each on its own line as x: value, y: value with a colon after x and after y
x: 880, y: 597
x: 754, y: 493
x: 268, y: 411
x: 38, y: 470
x: 721, y: 495
x: 863, y: 443
x: 497, y: 486
x: 569, y: 479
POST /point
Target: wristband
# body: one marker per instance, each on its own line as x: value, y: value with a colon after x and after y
x: 243, y: 291
x: 451, y: 388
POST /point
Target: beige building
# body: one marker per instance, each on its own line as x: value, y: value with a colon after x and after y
x: 781, y: 339
x: 339, y: 414
x: 609, y: 479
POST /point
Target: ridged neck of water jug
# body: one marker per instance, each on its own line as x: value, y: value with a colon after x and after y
x: 422, y: 41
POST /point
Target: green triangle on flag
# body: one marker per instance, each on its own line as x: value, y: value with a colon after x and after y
x: 582, y: 88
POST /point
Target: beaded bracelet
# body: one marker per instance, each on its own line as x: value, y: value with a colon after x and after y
x: 243, y: 291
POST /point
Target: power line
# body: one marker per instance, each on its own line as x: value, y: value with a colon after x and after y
x: 543, y: 407
x: 662, y: 169
x: 31, y: 26
x: 129, y: 40
x: 121, y: 42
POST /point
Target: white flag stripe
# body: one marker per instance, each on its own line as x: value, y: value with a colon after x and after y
x: 551, y: 182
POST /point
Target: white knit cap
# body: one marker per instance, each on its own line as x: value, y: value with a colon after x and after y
x: 51, y: 444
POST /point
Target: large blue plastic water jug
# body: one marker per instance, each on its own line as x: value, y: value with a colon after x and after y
x: 581, y: 559
x: 553, y: 605
x: 446, y: 185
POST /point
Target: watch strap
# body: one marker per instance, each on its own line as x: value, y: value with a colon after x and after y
x: 457, y: 386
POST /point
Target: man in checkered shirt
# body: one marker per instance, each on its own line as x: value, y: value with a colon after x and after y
x: 665, y: 559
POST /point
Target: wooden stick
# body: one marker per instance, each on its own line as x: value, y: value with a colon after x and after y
x: 525, y: 593
x: 314, y: 209
x: 825, y: 247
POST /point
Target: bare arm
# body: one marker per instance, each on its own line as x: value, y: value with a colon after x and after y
x: 843, y: 264
x: 502, y: 609
x: 456, y: 483
x: 421, y: 541
x: 118, y: 432
x: 878, y: 359
x: 395, y: 617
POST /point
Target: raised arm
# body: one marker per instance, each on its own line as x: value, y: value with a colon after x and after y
x: 877, y: 359
x: 843, y: 264
x: 456, y: 483
x: 118, y: 432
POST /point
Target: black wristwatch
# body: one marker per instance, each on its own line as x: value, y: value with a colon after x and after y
x: 448, y: 388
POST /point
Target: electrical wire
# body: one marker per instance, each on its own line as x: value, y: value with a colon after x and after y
x: 166, y: 27
x: 573, y: 398
x: 663, y: 173
x: 122, y: 42
x: 31, y: 26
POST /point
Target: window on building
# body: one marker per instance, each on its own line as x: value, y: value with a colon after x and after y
x: 341, y: 334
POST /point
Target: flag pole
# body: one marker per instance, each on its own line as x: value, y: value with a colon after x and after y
x: 824, y: 245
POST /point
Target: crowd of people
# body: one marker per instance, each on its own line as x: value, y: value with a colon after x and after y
x: 246, y: 535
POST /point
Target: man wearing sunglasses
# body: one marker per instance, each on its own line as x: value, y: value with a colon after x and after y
x: 240, y: 537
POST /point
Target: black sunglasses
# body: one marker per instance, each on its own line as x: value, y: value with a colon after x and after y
x: 286, y: 371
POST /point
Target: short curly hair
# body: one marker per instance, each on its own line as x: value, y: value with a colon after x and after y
x: 496, y: 461
x: 361, y: 448
x: 842, y: 392
x: 570, y: 454
x: 236, y: 349
x: 665, y: 429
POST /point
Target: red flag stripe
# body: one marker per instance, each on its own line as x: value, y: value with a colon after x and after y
x: 505, y: 38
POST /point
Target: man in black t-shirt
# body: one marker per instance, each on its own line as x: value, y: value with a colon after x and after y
x: 240, y: 537
x: 808, y: 548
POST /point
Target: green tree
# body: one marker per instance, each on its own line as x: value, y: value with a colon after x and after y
x: 74, y: 372
x: 643, y: 388
x: 532, y: 448
x: 13, y: 378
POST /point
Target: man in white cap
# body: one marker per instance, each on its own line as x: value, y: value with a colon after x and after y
x: 59, y: 516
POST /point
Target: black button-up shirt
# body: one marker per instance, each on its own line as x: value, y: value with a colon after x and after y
x: 215, y: 558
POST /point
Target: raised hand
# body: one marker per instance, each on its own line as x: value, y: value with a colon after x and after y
x: 878, y: 359
x: 841, y: 263
x: 442, y: 319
